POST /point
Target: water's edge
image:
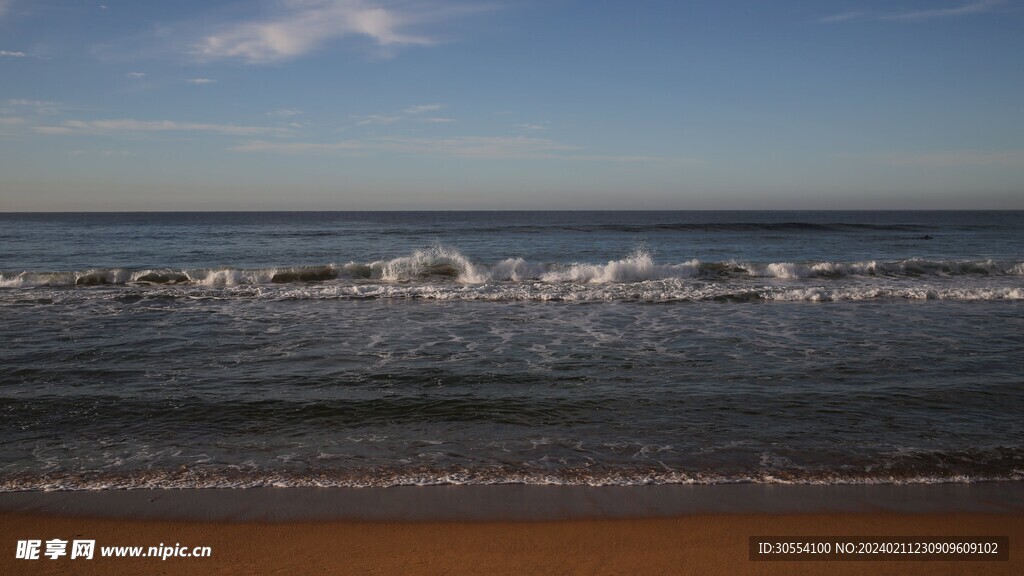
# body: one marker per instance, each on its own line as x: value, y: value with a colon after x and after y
x: 513, y: 502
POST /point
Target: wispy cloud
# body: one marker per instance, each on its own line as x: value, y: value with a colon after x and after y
x: 32, y: 103
x: 957, y: 158
x: 200, y: 81
x: 299, y: 147
x: 379, y: 119
x: 421, y: 108
x: 479, y: 146
x: 298, y: 27
x: 969, y: 9
x: 11, y: 121
x: 12, y: 54
x: 32, y: 107
x: 284, y: 113
x: 136, y: 75
x: 103, y: 153
x: 980, y: 7
x: 461, y: 147
x: 412, y: 112
x: 533, y: 126
x: 127, y: 126
x: 468, y: 147
x: 5, y: 5
x: 843, y: 17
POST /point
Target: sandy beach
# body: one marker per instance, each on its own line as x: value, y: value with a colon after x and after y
x: 699, y: 542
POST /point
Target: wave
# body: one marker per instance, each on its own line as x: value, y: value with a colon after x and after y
x: 753, y: 227
x: 443, y: 264
x: 385, y: 476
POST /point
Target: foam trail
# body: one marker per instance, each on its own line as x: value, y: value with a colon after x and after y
x: 637, y: 267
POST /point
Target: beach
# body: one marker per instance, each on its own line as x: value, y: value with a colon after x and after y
x: 507, y: 529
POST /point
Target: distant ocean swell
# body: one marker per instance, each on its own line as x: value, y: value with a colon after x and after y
x: 723, y: 227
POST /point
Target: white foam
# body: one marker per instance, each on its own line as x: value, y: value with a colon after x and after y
x: 434, y: 261
x: 673, y: 290
x: 912, y: 267
x: 639, y: 266
x: 512, y: 269
x: 220, y: 277
x: 200, y: 478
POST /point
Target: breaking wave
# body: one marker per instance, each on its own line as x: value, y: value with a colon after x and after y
x: 446, y: 265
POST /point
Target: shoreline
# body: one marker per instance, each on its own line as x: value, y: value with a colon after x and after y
x: 515, y: 502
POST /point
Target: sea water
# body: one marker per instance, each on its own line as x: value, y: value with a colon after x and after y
x: 375, y: 349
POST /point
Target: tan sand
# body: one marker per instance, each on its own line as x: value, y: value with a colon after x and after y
x: 691, y: 544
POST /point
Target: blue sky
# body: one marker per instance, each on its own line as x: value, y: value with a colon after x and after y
x: 560, y: 104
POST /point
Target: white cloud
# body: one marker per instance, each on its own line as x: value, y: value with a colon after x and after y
x: 200, y: 81
x: 378, y: 119
x: 298, y: 147
x: 35, y: 107
x: 136, y: 75
x: 533, y: 126
x: 5, y: 5
x: 10, y: 54
x: 284, y: 113
x: 843, y: 17
x: 11, y: 121
x: 405, y: 114
x: 135, y: 126
x: 967, y: 9
x: 32, y: 103
x: 421, y: 108
x: 299, y: 27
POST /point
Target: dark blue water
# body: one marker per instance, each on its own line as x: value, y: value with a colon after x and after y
x: 244, y: 349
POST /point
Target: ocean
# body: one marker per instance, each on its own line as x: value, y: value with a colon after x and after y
x: 575, y: 348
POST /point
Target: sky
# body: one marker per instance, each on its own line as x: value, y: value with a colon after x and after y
x: 511, y: 104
